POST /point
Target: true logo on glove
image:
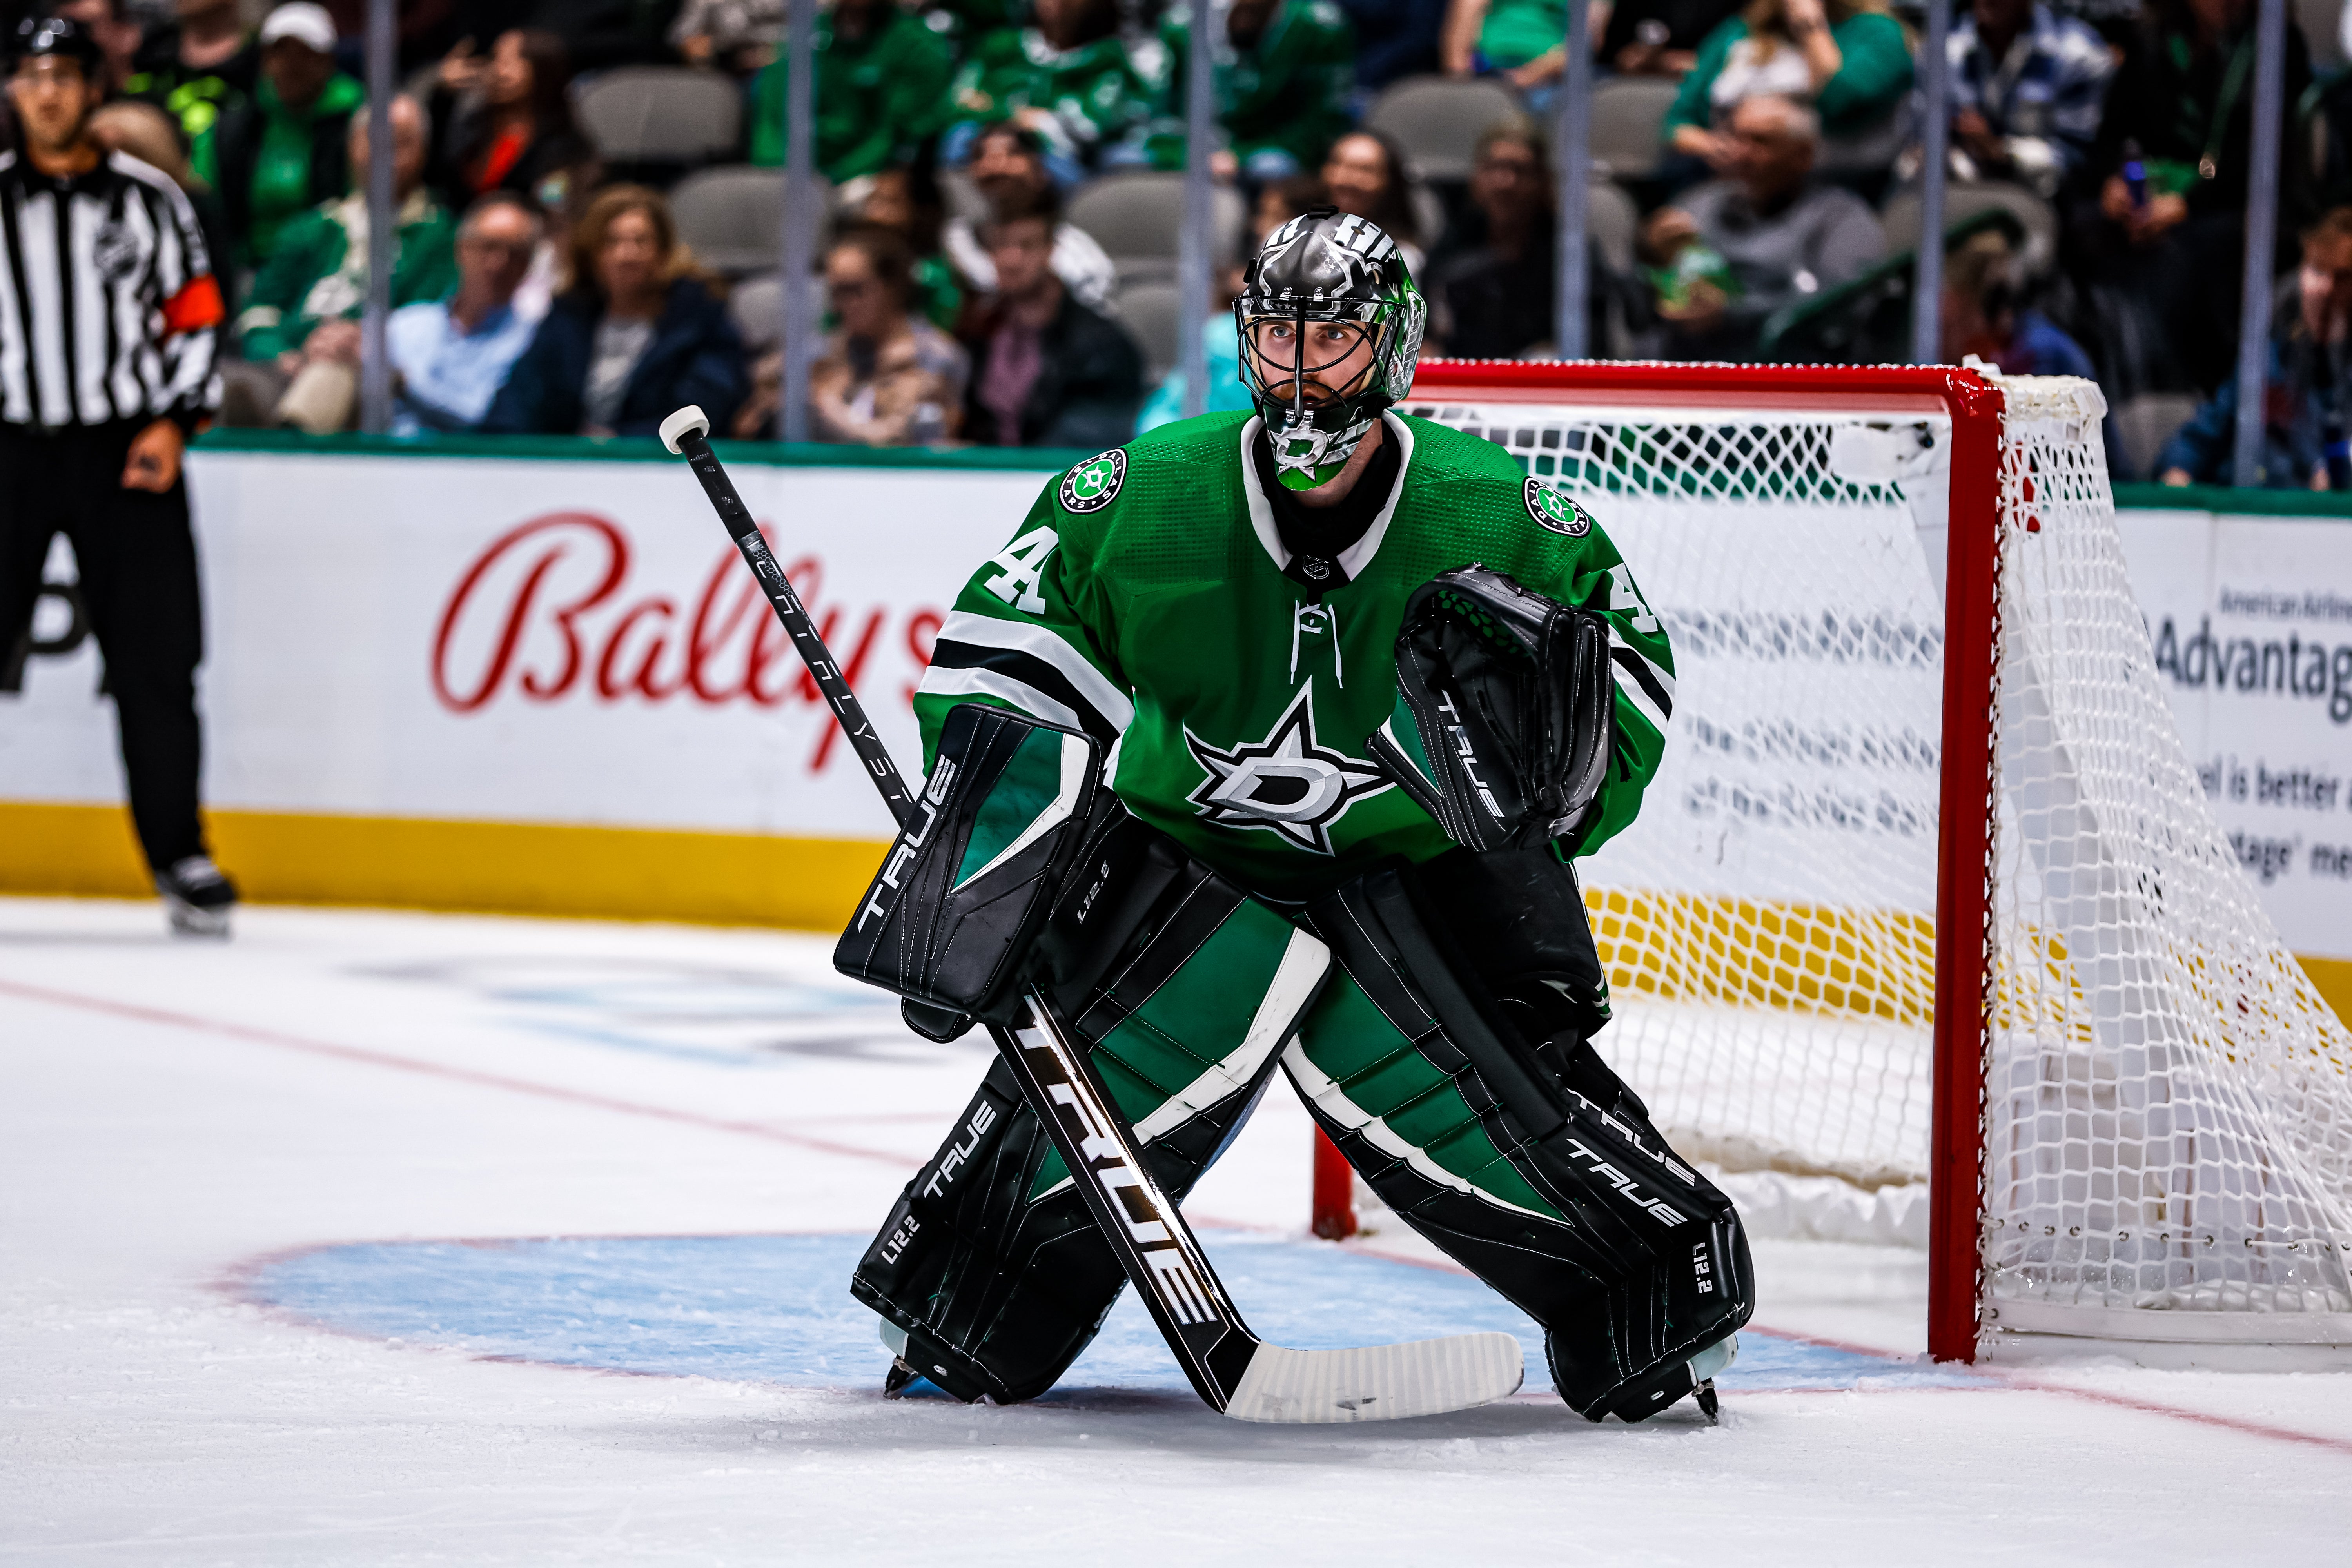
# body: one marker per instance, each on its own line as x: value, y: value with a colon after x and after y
x: 1554, y: 510
x: 1093, y: 484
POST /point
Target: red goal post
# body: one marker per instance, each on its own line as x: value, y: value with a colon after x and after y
x: 2023, y: 937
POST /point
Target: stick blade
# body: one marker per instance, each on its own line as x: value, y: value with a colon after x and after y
x: 1378, y: 1382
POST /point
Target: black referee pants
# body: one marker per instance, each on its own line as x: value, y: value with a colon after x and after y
x: 137, y: 563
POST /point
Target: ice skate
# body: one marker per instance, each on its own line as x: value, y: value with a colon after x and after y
x: 197, y: 896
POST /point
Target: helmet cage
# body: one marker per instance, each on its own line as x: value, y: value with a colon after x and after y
x: 1313, y: 441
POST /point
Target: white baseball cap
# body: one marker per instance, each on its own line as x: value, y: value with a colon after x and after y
x: 303, y: 22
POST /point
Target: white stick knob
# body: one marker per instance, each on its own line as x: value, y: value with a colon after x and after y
x: 688, y: 420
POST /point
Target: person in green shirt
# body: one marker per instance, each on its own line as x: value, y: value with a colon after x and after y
x: 1848, y: 58
x: 1069, y: 77
x: 1522, y: 40
x: 281, y: 153
x: 881, y: 88
x: 1283, y: 70
x: 303, y: 320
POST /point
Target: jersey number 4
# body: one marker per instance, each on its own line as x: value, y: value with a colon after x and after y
x: 1023, y: 561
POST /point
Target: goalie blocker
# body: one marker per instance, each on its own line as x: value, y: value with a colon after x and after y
x: 1464, y: 1089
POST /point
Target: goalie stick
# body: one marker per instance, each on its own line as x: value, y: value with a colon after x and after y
x: 1233, y: 1371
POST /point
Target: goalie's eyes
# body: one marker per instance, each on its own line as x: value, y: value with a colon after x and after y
x: 1278, y: 338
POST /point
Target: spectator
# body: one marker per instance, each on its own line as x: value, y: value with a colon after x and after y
x: 1981, y: 316
x: 2309, y: 395
x: 1781, y: 236
x: 1284, y: 80
x: 1277, y: 204
x: 304, y: 313
x: 1364, y: 174
x: 450, y: 355
x: 1394, y: 39
x: 1008, y: 165
x: 146, y: 132
x: 1047, y: 371
x: 881, y: 91
x: 906, y: 202
x: 1493, y: 290
x: 197, y: 66
x: 281, y: 153
x: 1659, y: 38
x: 2163, y: 253
x: 634, y: 336
x: 2027, y: 85
x: 1846, y: 57
x: 1518, y: 39
x: 738, y: 36
x: 115, y: 31
x: 1070, y: 79
x: 504, y: 123
x: 886, y: 379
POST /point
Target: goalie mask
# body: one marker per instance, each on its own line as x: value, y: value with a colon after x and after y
x: 1330, y: 329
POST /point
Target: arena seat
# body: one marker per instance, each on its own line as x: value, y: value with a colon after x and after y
x: 1138, y: 220
x: 660, y: 114
x: 1438, y: 120
x: 1629, y: 120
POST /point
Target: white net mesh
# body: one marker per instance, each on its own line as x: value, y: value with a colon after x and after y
x: 2167, y: 1102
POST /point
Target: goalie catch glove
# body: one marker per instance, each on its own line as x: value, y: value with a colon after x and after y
x: 1506, y: 712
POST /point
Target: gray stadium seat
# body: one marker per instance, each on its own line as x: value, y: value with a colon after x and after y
x: 733, y: 216
x: 1901, y: 218
x: 1438, y: 120
x: 757, y: 307
x: 2145, y: 424
x: 1610, y: 220
x: 1150, y: 312
x: 1138, y: 219
x: 1629, y: 118
x: 660, y: 114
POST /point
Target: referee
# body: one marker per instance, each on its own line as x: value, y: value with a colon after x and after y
x: 108, y: 314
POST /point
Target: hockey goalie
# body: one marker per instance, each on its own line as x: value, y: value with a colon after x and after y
x: 1365, y: 690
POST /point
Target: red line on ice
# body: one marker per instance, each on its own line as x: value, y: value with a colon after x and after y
x: 253, y: 1036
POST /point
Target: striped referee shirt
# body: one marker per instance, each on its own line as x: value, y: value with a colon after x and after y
x: 109, y: 310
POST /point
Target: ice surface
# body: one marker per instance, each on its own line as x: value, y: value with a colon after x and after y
x: 298, y: 1236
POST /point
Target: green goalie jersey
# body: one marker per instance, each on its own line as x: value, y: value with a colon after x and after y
x: 1144, y: 600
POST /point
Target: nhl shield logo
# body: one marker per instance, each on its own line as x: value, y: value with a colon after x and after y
x: 1093, y: 484
x: 1554, y: 510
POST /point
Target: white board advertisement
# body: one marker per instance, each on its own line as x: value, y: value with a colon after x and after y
x: 537, y: 641
x: 576, y: 642
x: 2249, y: 619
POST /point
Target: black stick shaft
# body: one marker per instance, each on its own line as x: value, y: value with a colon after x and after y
x: 795, y: 617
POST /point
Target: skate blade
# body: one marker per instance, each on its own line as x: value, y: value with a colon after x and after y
x: 1378, y: 1382
x: 189, y: 920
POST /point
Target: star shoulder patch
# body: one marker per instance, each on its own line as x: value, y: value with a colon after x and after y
x: 1284, y: 785
x: 1554, y: 510
x: 1093, y: 484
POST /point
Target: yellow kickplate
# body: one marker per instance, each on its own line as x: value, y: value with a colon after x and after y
x: 513, y: 868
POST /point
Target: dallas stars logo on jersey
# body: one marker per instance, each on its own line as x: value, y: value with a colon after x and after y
x: 1093, y: 484
x: 1286, y: 784
x: 1552, y: 509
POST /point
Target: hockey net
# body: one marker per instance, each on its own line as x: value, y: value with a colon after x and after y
x: 2084, y: 1055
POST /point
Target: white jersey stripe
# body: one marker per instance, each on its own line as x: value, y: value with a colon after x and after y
x: 84, y: 221
x: 1040, y: 642
x: 16, y: 353
x: 36, y: 238
x: 940, y: 682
